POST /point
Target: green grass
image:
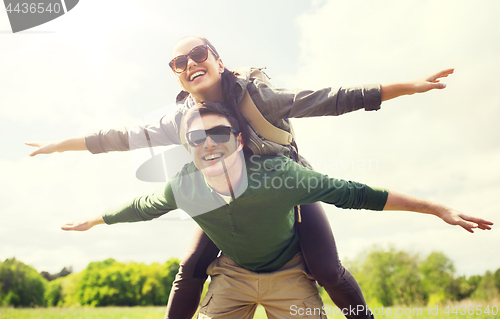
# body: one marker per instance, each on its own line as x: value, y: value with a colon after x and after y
x: 158, y: 312
x: 83, y: 313
x: 93, y: 313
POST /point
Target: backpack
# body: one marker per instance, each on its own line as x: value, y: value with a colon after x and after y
x: 253, y: 115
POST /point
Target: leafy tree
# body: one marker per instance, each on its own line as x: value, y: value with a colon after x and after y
x: 465, y: 287
x: 114, y: 283
x: 21, y: 285
x: 53, y: 294
x: 497, y: 279
x: 486, y: 290
x: 69, y: 285
x: 168, y: 271
x: 439, y: 278
x: 389, y: 277
x: 474, y: 281
x: 103, y: 284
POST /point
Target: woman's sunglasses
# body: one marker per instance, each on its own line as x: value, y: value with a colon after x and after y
x: 218, y: 134
x: 198, y: 54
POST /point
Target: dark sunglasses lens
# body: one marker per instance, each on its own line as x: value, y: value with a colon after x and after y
x: 199, y: 54
x: 220, y: 134
x: 217, y: 134
x: 196, y: 138
x: 180, y: 64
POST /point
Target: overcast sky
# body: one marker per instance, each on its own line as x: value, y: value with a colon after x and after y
x: 105, y: 64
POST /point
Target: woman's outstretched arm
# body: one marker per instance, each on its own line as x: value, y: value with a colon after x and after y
x: 421, y: 85
x: 70, y: 144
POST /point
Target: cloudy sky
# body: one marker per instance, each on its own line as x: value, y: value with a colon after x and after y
x: 105, y: 64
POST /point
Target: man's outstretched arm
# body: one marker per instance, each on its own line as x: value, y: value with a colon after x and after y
x: 142, y: 208
x: 83, y: 224
x: 404, y: 202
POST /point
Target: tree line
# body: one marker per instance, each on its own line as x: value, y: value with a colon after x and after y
x: 387, y: 277
x: 392, y: 277
x: 103, y: 283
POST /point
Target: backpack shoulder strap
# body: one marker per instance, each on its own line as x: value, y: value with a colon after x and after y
x: 257, y: 120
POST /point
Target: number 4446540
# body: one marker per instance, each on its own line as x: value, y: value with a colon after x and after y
x: 471, y: 310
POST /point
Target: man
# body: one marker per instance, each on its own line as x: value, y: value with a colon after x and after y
x: 245, y: 204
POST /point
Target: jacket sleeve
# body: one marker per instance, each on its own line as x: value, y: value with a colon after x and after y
x: 306, y: 186
x: 142, y: 208
x: 279, y: 104
x: 163, y: 132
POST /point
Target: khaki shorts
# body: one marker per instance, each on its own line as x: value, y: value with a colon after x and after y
x: 234, y: 292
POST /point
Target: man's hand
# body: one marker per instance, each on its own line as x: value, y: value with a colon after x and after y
x: 404, y: 202
x: 421, y: 85
x: 83, y: 224
x: 467, y: 222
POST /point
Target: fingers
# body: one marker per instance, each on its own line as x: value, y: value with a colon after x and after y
x: 481, y: 223
x: 71, y: 226
x: 42, y: 148
x: 78, y: 226
x: 67, y: 227
x: 470, y: 222
x: 468, y: 226
x: 437, y: 85
x: 34, y: 153
x: 34, y: 144
x: 440, y: 74
x: 484, y: 227
x: 445, y: 73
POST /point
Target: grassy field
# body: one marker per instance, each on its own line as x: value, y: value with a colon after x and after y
x: 463, y: 310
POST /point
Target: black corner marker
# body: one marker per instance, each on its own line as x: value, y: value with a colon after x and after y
x: 70, y: 4
x: 25, y: 14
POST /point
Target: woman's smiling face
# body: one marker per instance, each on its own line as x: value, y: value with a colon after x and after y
x: 202, y: 80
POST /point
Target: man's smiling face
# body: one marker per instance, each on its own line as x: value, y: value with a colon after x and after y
x: 207, y: 157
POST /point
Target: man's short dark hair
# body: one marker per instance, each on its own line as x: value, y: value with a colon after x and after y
x: 217, y: 108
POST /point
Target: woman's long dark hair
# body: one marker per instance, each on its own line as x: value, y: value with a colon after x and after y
x: 230, y: 94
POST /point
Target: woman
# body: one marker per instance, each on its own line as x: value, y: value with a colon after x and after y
x: 202, y: 74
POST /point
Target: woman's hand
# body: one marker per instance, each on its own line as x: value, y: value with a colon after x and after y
x: 83, y: 224
x: 467, y: 222
x: 431, y: 82
x: 70, y: 144
x: 421, y: 85
x: 43, y: 148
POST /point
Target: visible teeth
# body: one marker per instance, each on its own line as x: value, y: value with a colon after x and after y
x: 212, y: 157
x: 194, y: 75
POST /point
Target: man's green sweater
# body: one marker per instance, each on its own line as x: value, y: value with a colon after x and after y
x: 256, y: 229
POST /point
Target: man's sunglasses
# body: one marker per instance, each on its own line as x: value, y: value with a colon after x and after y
x: 198, y: 54
x: 218, y: 134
